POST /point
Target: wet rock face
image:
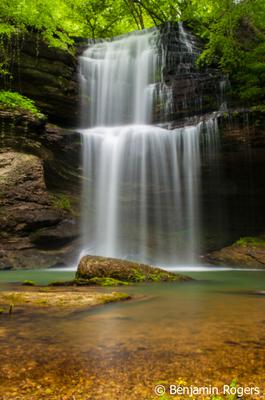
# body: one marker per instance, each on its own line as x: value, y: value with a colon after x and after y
x: 39, y: 178
x: 232, y: 183
x: 193, y: 91
x: 48, y: 76
x: 58, y: 148
x: 27, y: 213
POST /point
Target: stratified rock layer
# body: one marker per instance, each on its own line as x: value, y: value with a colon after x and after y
x: 38, y: 225
x: 193, y: 91
x: 47, y: 75
x: 27, y: 210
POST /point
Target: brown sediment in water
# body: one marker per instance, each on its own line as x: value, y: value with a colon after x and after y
x: 122, y: 352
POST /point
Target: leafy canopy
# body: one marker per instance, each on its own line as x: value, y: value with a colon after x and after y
x: 233, y: 30
x: 15, y: 100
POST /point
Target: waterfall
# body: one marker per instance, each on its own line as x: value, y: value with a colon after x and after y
x: 141, y: 186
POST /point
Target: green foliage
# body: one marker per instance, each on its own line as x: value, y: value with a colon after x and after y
x: 233, y: 30
x: 15, y: 100
x: 259, y: 108
x: 57, y: 21
x: 234, y: 34
x: 50, y: 18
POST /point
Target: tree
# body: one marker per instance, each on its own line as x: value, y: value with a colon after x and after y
x: 232, y: 30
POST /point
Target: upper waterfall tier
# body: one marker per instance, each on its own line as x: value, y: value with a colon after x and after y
x: 146, y: 77
x: 120, y: 77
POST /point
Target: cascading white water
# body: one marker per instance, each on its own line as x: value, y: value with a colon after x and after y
x: 141, y: 182
x: 119, y: 78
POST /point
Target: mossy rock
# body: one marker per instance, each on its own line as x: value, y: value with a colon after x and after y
x: 251, y: 241
x: 248, y: 252
x: 95, y: 268
x: 61, y: 299
x: 107, y: 282
x: 28, y: 283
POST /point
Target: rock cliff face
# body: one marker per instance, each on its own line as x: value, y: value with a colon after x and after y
x: 47, y: 75
x: 39, y: 162
x: 193, y: 91
x: 233, y: 192
x: 39, y: 225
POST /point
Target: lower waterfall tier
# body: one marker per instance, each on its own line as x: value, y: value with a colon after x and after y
x: 141, y: 188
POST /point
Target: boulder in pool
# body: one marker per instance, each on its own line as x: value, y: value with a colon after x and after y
x: 123, y: 270
x: 247, y: 252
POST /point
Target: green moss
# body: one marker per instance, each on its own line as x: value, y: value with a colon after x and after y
x: 2, y: 310
x: 138, y: 276
x: 161, y: 277
x: 251, y: 241
x: 62, y: 202
x: 116, y: 296
x: 62, y: 283
x: 28, y: 283
x: 15, y: 100
x: 105, y: 281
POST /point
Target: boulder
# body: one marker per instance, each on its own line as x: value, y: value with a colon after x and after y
x: 247, y: 252
x: 129, y: 271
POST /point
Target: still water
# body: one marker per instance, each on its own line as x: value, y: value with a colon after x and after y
x: 206, y: 332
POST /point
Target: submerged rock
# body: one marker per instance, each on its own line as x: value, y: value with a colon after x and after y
x: 248, y: 252
x: 61, y: 299
x: 91, y: 267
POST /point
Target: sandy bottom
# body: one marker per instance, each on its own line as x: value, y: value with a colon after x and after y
x: 190, y: 335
